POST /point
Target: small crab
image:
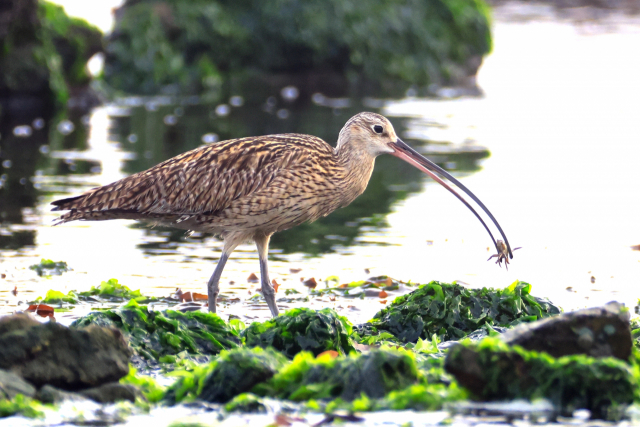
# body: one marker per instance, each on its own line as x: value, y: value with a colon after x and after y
x: 503, y: 254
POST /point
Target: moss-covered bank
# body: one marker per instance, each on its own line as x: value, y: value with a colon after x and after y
x: 189, y: 47
x: 43, y: 56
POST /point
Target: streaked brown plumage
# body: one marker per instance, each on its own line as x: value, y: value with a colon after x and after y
x: 248, y: 188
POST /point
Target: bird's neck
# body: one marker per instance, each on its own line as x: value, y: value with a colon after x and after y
x: 356, y: 166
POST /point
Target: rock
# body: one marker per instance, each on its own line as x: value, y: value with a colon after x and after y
x: 71, y: 359
x: 598, y: 332
x: 17, y: 322
x: 50, y: 394
x: 232, y: 373
x: 315, y: 45
x: 493, y: 371
x: 12, y: 384
x: 43, y: 57
x: 112, y: 392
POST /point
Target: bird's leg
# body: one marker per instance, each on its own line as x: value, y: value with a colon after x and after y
x: 262, y: 242
x: 212, y: 286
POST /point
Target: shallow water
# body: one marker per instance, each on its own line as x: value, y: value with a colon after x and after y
x: 559, y: 116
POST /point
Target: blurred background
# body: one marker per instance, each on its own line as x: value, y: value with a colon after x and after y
x: 532, y: 105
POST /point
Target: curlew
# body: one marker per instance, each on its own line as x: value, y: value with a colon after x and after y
x: 249, y: 188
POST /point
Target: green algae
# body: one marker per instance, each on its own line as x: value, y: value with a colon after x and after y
x: 150, y: 389
x: 417, y: 397
x: 635, y: 331
x: 199, y: 45
x: 108, y: 291
x: 233, y: 372
x: 57, y: 297
x: 21, y: 405
x: 154, y: 334
x: 47, y: 267
x: 492, y: 370
x: 302, y: 329
x: 245, y: 402
x: 451, y: 311
x: 374, y: 373
x: 113, y: 290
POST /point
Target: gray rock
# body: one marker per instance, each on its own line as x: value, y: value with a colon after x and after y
x: 50, y: 394
x: 112, y: 392
x: 597, y: 332
x: 70, y: 359
x: 17, y: 322
x: 12, y: 384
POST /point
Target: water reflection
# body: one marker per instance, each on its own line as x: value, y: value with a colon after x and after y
x: 158, y: 129
x: 56, y: 160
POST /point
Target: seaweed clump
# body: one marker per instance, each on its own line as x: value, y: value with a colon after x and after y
x: 110, y: 291
x: 165, y: 336
x: 23, y: 405
x: 302, y: 329
x: 232, y: 373
x: 451, y: 311
x: 492, y: 370
x: 47, y: 267
x: 374, y: 374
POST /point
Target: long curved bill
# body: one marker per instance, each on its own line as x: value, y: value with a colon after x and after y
x: 411, y: 156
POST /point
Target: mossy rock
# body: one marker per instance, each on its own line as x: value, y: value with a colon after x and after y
x: 302, y: 329
x: 492, y: 370
x: 451, y: 311
x: 43, y: 53
x: 200, y: 45
x: 374, y: 374
x: 166, y: 335
x: 230, y: 374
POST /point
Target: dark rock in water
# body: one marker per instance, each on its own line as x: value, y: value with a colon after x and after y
x: 598, y: 332
x: 491, y: 370
x: 112, y: 392
x: 237, y: 371
x: 312, y: 44
x: 43, y: 59
x: 71, y: 359
x: 12, y: 384
x: 375, y: 374
x: 50, y: 394
x: 17, y: 322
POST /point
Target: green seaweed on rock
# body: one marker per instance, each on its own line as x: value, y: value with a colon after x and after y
x: 22, y: 405
x: 47, y: 267
x: 374, y: 373
x: 149, y: 388
x: 233, y: 372
x: 168, y: 334
x: 113, y: 290
x: 57, y: 297
x: 451, y: 311
x: 198, y: 45
x: 110, y: 291
x: 492, y: 370
x: 302, y: 329
x: 245, y: 402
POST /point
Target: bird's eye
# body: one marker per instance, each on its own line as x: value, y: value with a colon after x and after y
x: 378, y: 129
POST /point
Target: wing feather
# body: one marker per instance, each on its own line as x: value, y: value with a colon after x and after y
x: 201, y: 181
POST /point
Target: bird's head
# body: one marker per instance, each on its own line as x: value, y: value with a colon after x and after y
x: 373, y: 134
x: 370, y: 133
